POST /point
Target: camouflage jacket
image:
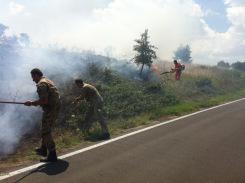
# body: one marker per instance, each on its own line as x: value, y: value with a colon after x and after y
x: 47, y: 89
x: 90, y: 94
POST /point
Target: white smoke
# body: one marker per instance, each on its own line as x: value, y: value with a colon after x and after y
x: 17, y: 58
x: 16, y: 61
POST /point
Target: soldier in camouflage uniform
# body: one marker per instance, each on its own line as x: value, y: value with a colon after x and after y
x: 49, y: 100
x: 92, y: 96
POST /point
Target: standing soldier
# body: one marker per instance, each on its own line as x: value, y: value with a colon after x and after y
x: 49, y: 100
x: 177, y: 69
x: 92, y: 96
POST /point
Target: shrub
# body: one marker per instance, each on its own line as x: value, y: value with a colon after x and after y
x: 205, y: 85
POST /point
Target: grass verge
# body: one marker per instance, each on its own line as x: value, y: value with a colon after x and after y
x: 70, y: 140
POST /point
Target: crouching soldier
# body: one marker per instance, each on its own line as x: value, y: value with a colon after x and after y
x: 95, y: 101
x: 49, y: 100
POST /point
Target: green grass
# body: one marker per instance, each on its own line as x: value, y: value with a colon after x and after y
x: 183, y: 108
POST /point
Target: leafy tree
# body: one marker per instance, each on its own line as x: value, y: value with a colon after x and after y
x: 145, y: 51
x: 24, y: 39
x: 240, y: 66
x: 9, y: 45
x: 183, y: 53
x: 2, y: 29
x: 223, y: 64
x: 10, y: 48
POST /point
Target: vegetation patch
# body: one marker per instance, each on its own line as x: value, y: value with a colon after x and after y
x: 131, y: 103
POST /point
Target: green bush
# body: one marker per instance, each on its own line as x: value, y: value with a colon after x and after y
x: 205, y: 85
x: 126, y: 98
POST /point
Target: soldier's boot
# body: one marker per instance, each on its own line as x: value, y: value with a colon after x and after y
x: 42, y: 151
x: 105, y: 136
x: 85, y: 128
x: 52, y: 157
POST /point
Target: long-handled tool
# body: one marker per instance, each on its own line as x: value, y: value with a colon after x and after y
x: 8, y: 102
x: 165, y: 72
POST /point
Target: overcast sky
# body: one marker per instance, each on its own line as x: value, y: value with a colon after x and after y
x: 215, y: 29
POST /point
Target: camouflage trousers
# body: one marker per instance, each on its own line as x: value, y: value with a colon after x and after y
x: 95, y: 112
x: 48, y: 121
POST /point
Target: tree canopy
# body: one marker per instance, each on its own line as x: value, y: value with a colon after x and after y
x: 145, y: 51
x: 223, y: 64
x: 240, y: 66
x: 183, y: 53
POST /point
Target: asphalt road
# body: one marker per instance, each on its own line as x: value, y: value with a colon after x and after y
x: 205, y: 148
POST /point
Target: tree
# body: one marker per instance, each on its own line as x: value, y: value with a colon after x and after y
x: 2, y: 29
x: 10, y: 46
x: 223, y: 64
x: 145, y: 51
x: 183, y: 53
x: 24, y: 39
x: 240, y: 66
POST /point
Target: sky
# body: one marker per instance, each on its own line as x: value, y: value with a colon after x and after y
x: 214, y: 29
x: 215, y: 14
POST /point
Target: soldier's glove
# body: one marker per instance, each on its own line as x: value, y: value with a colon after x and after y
x: 28, y: 103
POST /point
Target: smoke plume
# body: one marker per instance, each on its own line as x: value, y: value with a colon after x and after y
x: 17, y: 58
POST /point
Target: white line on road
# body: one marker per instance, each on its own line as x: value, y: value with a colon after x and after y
x: 10, y: 174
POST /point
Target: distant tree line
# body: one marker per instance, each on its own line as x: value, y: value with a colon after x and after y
x: 240, y: 66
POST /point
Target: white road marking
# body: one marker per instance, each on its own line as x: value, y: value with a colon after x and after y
x: 10, y: 174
